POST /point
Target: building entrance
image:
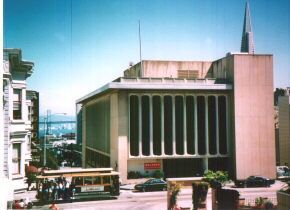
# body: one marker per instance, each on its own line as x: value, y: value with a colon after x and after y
x: 186, y: 167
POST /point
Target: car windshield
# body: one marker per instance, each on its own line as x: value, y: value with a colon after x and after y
x: 149, y: 181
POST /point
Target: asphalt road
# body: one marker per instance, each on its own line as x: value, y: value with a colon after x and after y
x: 130, y: 200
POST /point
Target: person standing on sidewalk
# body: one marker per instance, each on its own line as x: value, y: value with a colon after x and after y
x: 53, y: 206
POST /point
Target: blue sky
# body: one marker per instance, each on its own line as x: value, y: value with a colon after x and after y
x: 79, y: 45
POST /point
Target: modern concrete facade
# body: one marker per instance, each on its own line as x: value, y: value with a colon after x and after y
x: 17, y: 129
x: 184, y: 117
x: 185, y: 125
x: 284, y: 129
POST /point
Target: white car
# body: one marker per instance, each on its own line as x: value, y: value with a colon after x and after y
x: 282, y: 171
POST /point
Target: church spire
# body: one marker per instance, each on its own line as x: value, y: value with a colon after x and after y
x: 247, y: 36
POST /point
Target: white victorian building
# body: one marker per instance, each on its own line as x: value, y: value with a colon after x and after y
x: 17, y: 127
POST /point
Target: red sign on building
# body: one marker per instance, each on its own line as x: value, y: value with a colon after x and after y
x: 151, y: 166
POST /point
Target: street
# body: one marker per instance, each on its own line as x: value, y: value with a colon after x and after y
x: 129, y: 199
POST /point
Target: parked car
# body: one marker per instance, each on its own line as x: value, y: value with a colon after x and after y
x: 254, y: 181
x: 152, y: 185
x: 282, y: 171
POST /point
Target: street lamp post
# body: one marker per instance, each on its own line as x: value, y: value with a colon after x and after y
x: 46, y: 132
x: 44, y: 144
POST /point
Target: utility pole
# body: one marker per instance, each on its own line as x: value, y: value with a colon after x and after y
x: 44, y: 143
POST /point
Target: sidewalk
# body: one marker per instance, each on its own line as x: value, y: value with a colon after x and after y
x: 30, y: 195
x: 127, y: 187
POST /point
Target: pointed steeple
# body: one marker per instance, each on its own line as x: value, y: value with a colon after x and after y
x: 247, y: 36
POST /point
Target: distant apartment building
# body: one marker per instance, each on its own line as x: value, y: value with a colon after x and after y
x: 17, y: 128
x: 184, y: 117
x: 32, y: 98
x: 283, y: 128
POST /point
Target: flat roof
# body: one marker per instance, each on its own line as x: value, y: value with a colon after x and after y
x: 160, y: 84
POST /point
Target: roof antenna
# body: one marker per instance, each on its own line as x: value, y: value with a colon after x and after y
x: 140, y: 48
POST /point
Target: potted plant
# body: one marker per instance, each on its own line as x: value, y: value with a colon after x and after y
x: 215, y: 179
x: 173, y: 193
x: 259, y: 203
x: 199, y: 194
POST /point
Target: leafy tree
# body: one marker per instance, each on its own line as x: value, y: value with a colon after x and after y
x: 31, y: 177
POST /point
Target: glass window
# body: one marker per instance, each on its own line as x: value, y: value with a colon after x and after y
x: 134, y: 126
x: 29, y: 113
x: 88, y: 180
x: 179, y: 135
x: 168, y: 125
x: 145, y: 113
x: 17, y: 108
x: 149, y: 181
x: 79, y: 181
x: 16, y: 158
x: 97, y: 180
x: 222, y: 110
x: 190, y: 124
x: 156, y: 100
x: 106, y: 180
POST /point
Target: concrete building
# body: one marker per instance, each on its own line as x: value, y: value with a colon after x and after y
x: 184, y: 117
x: 283, y: 106
x: 17, y: 129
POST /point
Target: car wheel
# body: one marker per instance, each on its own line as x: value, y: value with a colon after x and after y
x: 164, y: 188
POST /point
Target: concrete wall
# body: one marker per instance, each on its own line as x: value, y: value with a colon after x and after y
x: 283, y: 200
x: 138, y: 165
x: 222, y: 68
x: 123, y: 140
x: 133, y: 71
x: 167, y: 68
x: 253, y: 111
x: 98, y: 124
x: 114, y: 121
x: 284, y: 130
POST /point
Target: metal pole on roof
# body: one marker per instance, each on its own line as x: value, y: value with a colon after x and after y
x: 140, y: 48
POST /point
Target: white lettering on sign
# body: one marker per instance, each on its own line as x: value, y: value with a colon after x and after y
x: 92, y: 188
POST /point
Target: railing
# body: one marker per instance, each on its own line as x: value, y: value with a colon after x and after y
x: 205, y: 81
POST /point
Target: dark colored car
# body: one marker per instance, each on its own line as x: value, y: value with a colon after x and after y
x: 255, y: 181
x: 152, y: 185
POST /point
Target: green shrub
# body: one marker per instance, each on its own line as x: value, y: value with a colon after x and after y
x: 218, y: 176
x: 173, y: 192
x: 134, y: 175
x: 157, y: 174
x: 259, y: 201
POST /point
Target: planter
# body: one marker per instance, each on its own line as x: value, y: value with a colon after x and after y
x: 257, y: 207
x: 199, y: 194
x: 283, y: 200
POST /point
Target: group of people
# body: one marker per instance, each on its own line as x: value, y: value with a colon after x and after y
x: 59, y: 189
x: 22, y: 204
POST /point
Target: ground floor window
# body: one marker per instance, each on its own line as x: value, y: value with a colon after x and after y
x: 16, y: 158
